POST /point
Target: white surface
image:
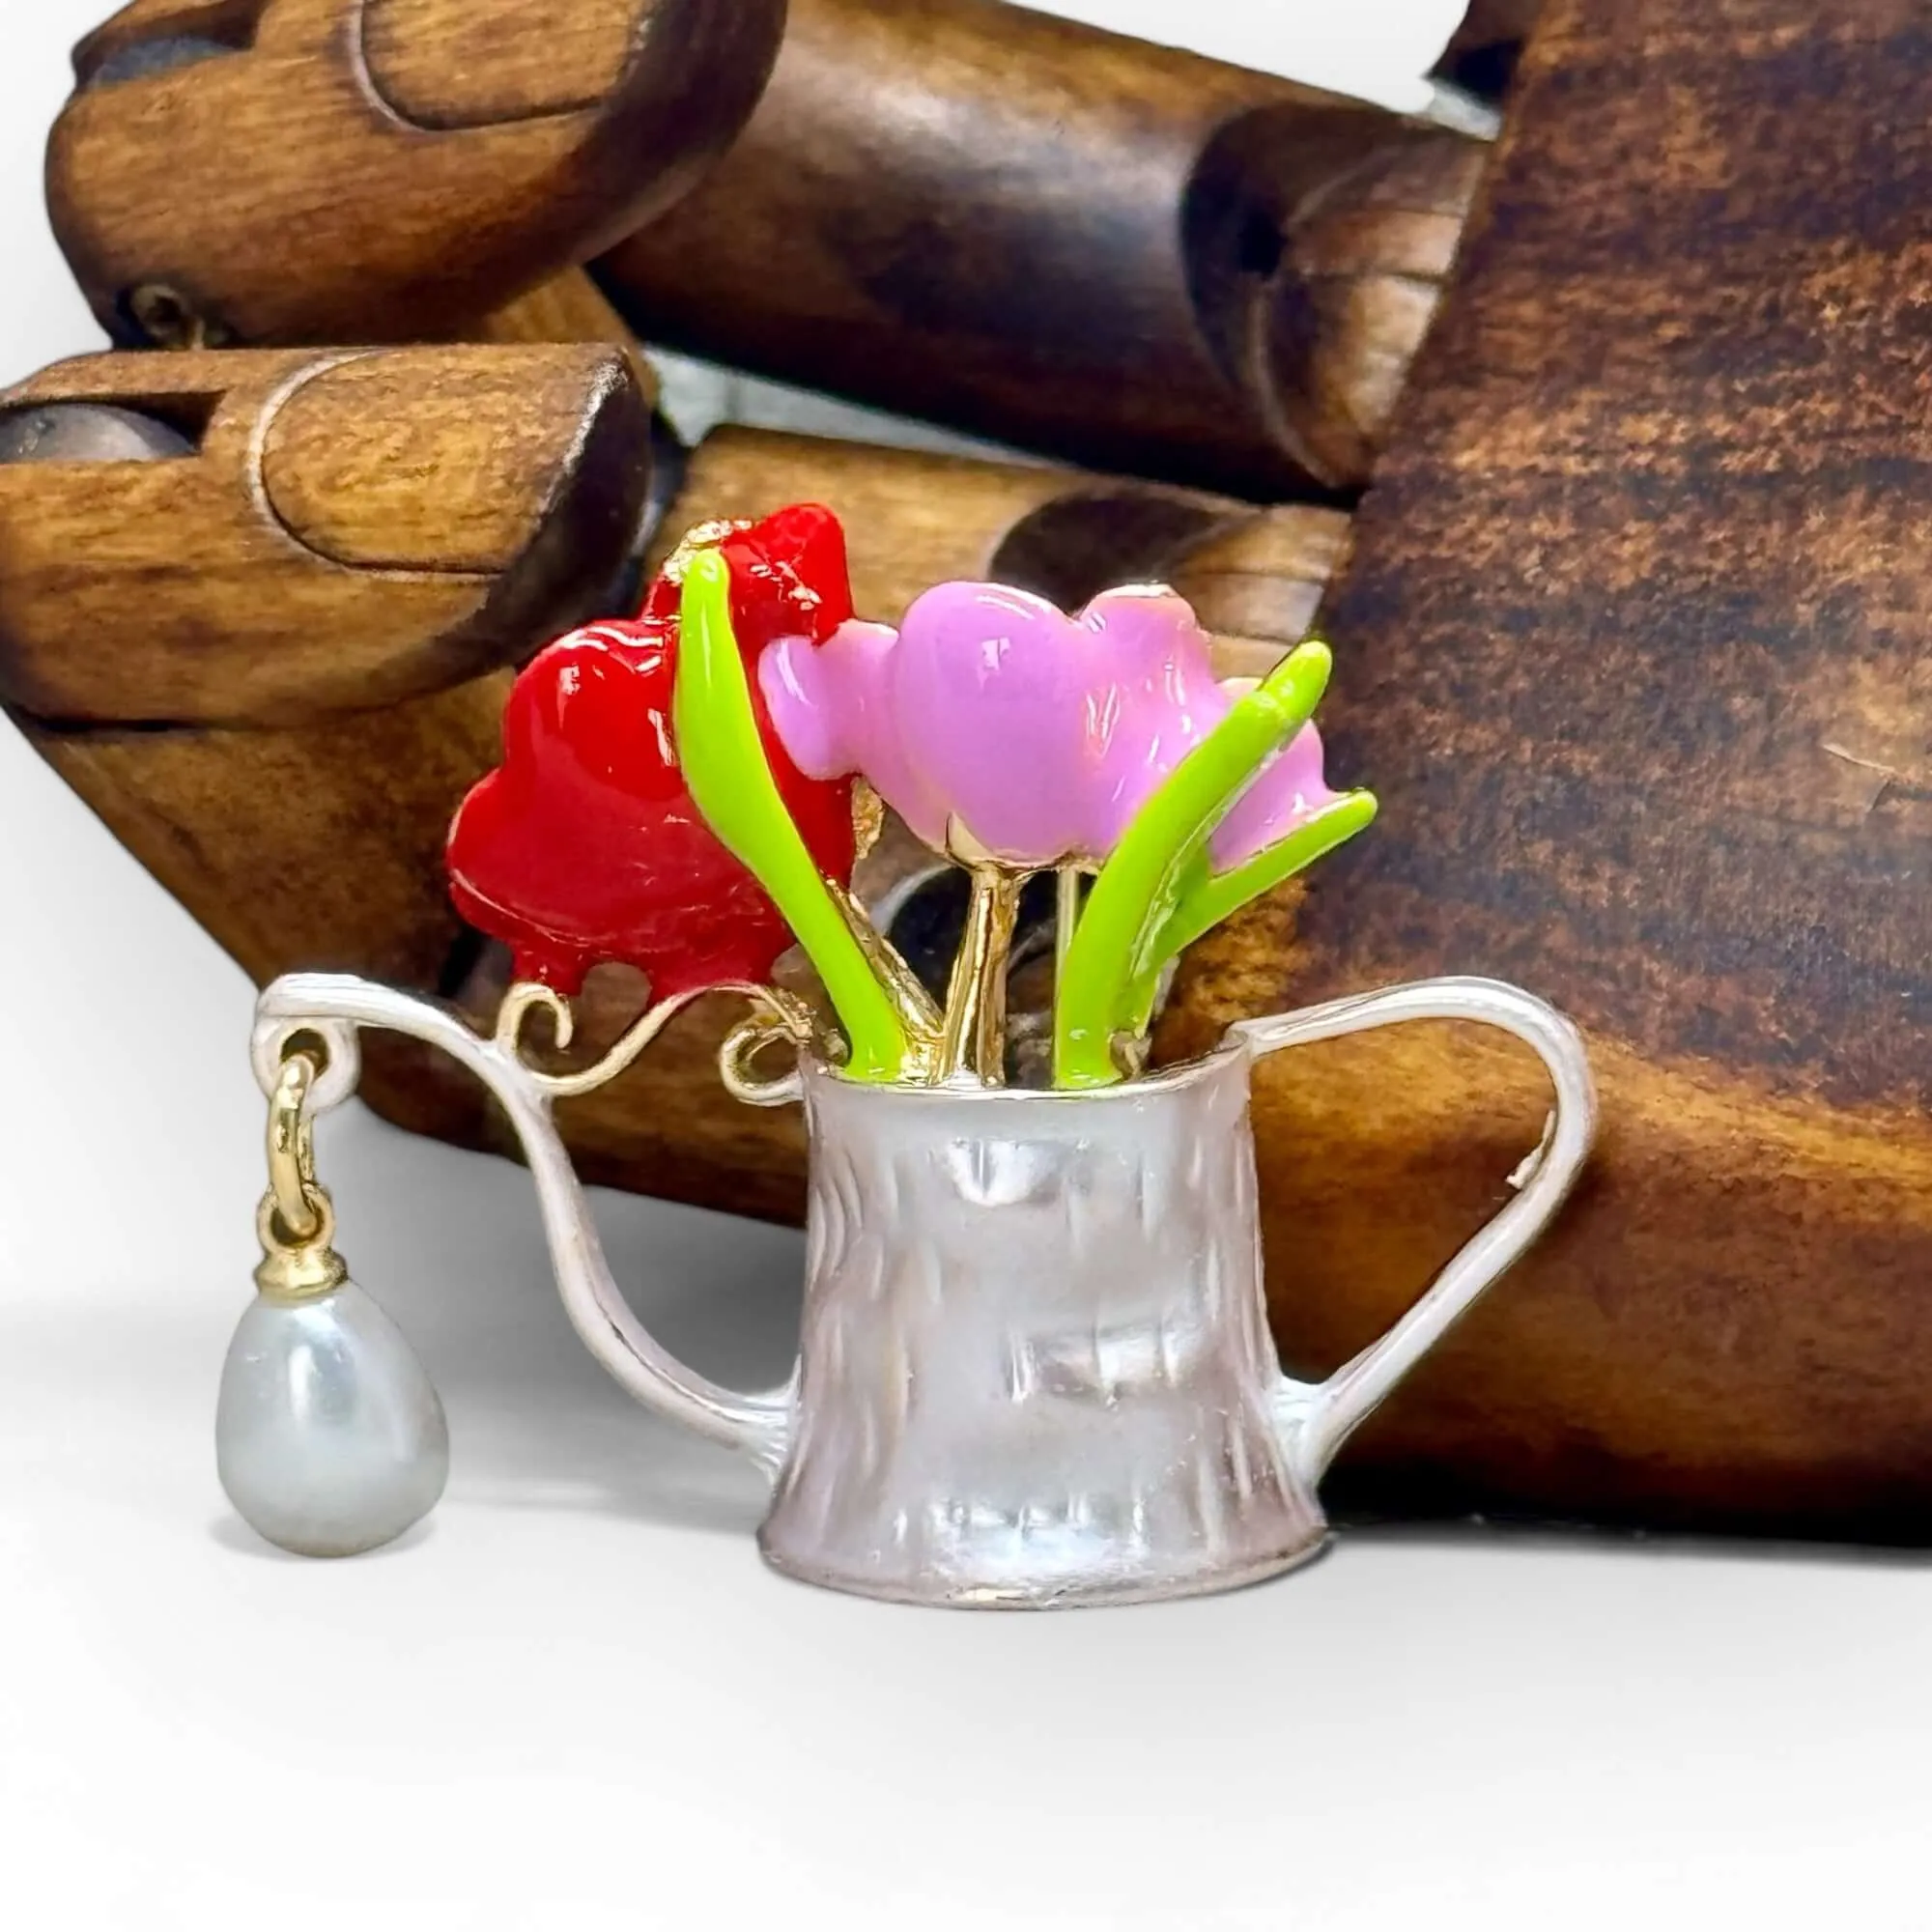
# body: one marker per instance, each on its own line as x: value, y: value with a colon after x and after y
x: 577, y: 1702
x: 1375, y: 48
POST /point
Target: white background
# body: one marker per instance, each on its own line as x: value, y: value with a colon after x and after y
x: 577, y: 1702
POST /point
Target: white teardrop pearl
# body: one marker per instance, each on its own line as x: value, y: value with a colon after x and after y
x: 329, y: 1437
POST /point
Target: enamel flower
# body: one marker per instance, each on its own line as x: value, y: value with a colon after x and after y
x: 585, y: 844
x: 1003, y: 731
x: 677, y: 793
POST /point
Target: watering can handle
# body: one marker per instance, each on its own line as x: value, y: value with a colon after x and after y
x: 334, y: 1008
x: 1315, y: 1420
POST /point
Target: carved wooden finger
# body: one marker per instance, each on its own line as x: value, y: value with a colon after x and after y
x: 259, y: 611
x: 264, y: 171
x: 1049, y: 235
x: 1634, y: 646
x: 338, y: 531
x: 1179, y: 268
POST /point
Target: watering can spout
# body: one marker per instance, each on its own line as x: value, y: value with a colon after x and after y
x: 333, y: 1010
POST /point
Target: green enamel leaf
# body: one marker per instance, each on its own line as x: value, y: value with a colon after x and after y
x: 1157, y: 892
x: 730, y: 780
x: 1211, y: 897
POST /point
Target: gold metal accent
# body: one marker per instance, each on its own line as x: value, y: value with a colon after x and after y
x: 925, y: 1024
x: 976, y: 1006
x: 777, y: 1014
x: 700, y: 537
x: 292, y: 1270
x: 296, y: 1221
x: 742, y: 1047
x: 868, y: 819
x: 292, y: 1188
x: 964, y: 849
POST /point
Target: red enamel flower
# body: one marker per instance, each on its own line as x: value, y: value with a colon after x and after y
x: 585, y: 846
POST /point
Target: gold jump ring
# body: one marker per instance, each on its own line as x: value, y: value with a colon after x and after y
x: 292, y: 1183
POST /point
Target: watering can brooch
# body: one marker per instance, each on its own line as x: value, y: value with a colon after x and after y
x: 1034, y: 1369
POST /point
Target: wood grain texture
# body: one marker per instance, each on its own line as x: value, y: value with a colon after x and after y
x: 1258, y: 585
x: 448, y: 64
x: 1113, y: 252
x: 915, y: 519
x: 319, y: 845
x: 272, y: 665
x: 344, y: 462
x: 351, y: 528
x: 569, y: 307
x: 1632, y: 645
x: 320, y: 171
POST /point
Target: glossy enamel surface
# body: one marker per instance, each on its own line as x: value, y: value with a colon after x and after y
x: 586, y: 845
x: 994, y: 723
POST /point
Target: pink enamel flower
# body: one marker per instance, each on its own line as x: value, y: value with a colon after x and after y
x: 996, y: 725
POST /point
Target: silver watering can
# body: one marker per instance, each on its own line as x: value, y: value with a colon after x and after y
x: 1034, y: 1368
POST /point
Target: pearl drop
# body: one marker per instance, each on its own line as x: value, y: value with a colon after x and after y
x: 329, y: 1437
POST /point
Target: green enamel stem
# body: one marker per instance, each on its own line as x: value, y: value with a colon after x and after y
x: 1066, y: 920
x: 730, y: 780
x: 1214, y: 896
x: 1116, y: 951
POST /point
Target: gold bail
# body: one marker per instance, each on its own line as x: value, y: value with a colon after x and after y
x: 297, y: 1219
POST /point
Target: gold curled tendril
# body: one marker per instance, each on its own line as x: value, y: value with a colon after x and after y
x: 777, y: 1014
x: 742, y: 1045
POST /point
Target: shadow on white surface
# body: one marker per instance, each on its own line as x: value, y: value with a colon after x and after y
x: 232, y: 1534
